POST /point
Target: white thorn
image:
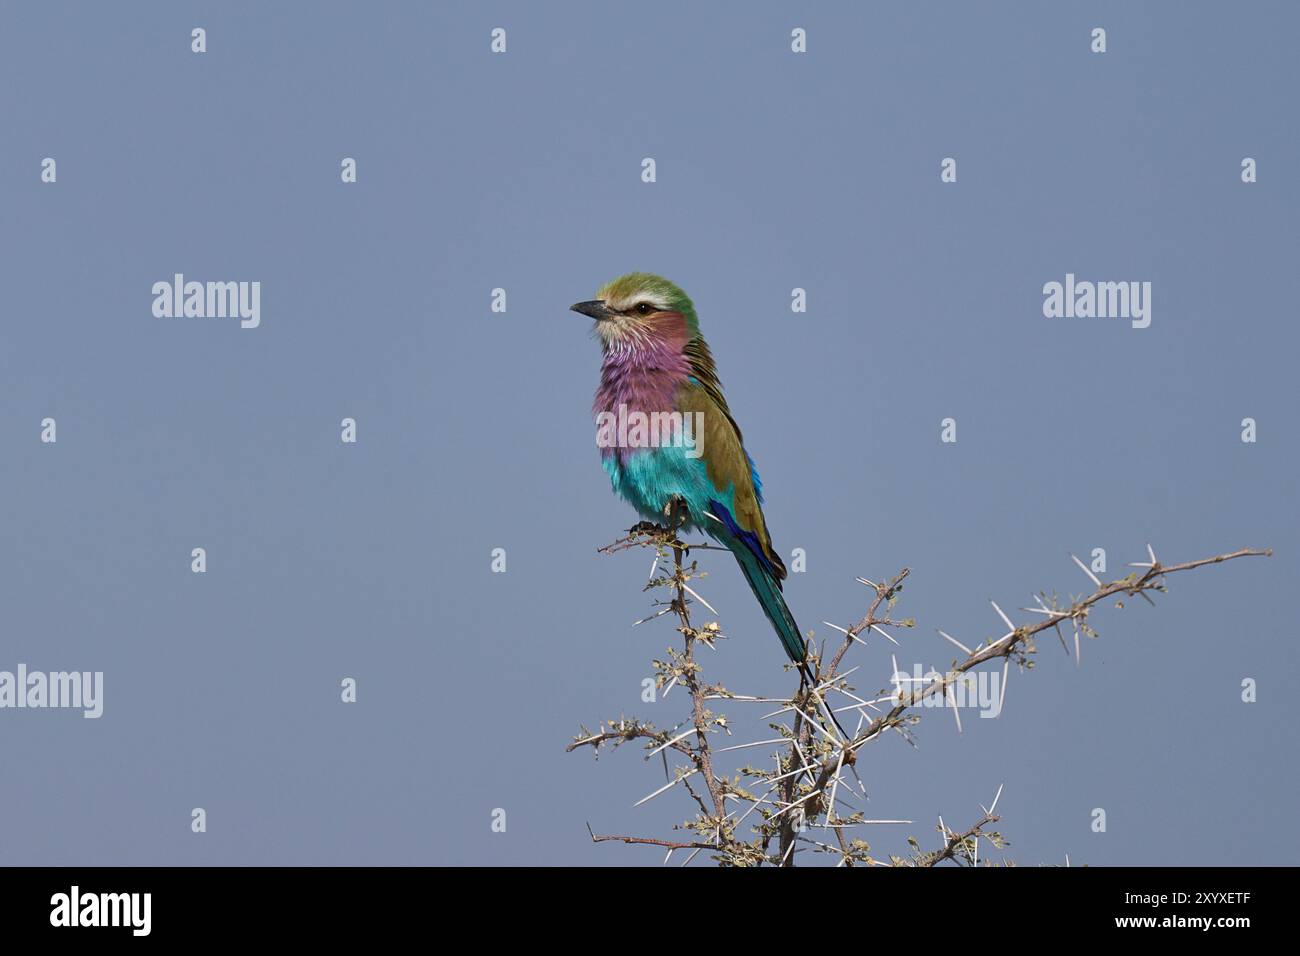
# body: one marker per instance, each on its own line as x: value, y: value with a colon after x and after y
x: 652, y: 617
x: 830, y: 809
x: 954, y: 640
x: 664, y: 746
x: 1005, y: 619
x: 692, y: 592
x: 756, y: 743
x: 757, y: 803
x: 826, y: 684
x: 791, y: 806
x: 1084, y: 568
x: 876, y: 627
x: 668, y: 786
x: 816, y: 725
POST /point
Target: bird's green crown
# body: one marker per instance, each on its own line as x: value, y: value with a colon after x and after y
x: 628, y: 291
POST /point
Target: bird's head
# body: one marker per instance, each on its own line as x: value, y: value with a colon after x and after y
x: 640, y: 310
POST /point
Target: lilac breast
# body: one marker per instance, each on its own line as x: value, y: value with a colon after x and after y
x: 641, y: 380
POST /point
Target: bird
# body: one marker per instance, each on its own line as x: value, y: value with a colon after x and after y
x: 655, y: 361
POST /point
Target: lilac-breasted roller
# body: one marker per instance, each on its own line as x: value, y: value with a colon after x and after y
x: 657, y: 363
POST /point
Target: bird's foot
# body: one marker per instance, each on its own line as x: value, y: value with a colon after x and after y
x: 676, y: 512
x: 647, y: 527
x: 675, y: 515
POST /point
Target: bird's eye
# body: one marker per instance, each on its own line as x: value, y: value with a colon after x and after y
x: 644, y: 308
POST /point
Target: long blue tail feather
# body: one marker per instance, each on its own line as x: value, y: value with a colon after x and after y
x: 768, y: 591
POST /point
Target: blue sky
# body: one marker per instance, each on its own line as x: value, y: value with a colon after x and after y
x: 522, y: 171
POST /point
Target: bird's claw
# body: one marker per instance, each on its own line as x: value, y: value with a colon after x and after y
x: 676, y: 512
x: 647, y: 527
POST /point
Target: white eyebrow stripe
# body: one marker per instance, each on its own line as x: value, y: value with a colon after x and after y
x: 624, y: 304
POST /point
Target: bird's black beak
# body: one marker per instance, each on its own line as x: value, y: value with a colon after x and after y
x: 596, y: 309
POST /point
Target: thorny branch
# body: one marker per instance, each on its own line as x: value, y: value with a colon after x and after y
x: 807, y: 789
x: 962, y: 848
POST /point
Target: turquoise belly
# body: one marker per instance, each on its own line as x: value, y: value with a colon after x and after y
x: 649, y: 478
